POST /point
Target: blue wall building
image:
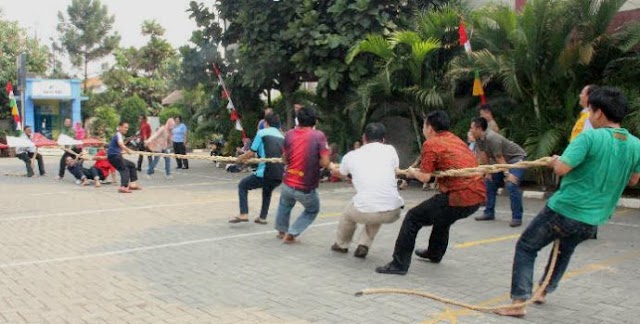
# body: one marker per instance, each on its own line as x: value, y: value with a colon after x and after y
x: 49, y: 102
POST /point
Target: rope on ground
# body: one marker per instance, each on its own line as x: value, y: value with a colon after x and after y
x: 486, y: 309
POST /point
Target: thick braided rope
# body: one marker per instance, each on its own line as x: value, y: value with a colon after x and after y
x: 481, y: 169
x: 487, y: 168
x: 487, y: 309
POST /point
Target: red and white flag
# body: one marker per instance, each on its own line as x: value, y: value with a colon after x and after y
x: 234, y: 116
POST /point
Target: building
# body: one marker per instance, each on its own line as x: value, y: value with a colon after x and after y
x: 48, y: 102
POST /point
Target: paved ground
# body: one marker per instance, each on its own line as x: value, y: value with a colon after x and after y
x: 166, y: 254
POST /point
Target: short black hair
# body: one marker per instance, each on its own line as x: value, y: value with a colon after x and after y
x: 591, y: 88
x: 306, y: 117
x: 122, y: 123
x: 374, y: 132
x: 26, y: 127
x: 481, y: 122
x: 178, y: 117
x: 486, y: 107
x: 143, y: 116
x: 613, y: 103
x: 438, y: 120
x: 272, y: 119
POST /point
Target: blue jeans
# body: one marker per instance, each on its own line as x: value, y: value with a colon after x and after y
x: 154, y: 162
x: 515, y: 194
x: 253, y: 182
x: 544, y: 229
x: 288, y: 198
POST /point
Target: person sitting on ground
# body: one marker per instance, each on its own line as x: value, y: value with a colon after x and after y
x: 596, y: 167
x: 268, y: 143
x: 103, y: 166
x: 377, y: 201
x: 27, y: 154
x: 458, y: 197
x: 82, y: 174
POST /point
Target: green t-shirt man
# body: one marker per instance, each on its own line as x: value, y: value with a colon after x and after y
x: 602, y: 161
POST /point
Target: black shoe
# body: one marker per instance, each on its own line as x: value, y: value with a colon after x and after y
x: 515, y: 223
x: 391, y: 268
x: 485, y: 217
x: 139, y: 169
x: 361, y: 251
x: 185, y: 168
x: 424, y: 253
x: 337, y: 248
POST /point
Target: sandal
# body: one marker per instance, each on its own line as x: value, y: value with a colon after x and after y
x: 261, y: 221
x: 237, y: 219
x: 124, y: 190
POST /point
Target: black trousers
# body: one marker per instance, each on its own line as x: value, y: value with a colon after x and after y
x: 179, y: 148
x: 254, y: 182
x: 434, y: 212
x: 143, y: 148
x: 63, y: 160
x: 26, y: 157
x: 125, y: 167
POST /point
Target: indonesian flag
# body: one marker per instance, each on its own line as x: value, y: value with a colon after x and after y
x: 464, y: 40
x: 477, y: 83
x: 14, y: 107
x: 232, y: 109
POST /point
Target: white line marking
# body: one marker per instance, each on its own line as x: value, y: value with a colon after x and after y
x: 624, y: 224
x: 142, y: 248
x: 99, y: 211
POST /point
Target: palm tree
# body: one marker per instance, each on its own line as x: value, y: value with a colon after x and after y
x: 535, y: 55
x: 411, y: 66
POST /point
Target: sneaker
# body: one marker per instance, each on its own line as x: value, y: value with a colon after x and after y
x: 391, y: 268
x: 78, y: 182
x: 335, y: 247
x: 361, y: 251
x: 515, y: 223
x: 148, y: 177
x: 423, y: 253
x: 485, y: 217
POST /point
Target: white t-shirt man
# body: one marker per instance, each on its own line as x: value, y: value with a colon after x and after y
x: 372, y: 168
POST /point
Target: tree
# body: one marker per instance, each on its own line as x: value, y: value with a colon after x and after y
x: 105, y: 123
x: 13, y: 42
x: 85, y: 33
x: 130, y: 112
x: 537, y: 56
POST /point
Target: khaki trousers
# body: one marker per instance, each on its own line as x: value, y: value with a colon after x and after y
x: 372, y: 221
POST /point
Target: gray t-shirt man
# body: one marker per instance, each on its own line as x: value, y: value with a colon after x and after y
x: 496, y: 145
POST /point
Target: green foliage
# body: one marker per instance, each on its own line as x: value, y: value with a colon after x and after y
x: 105, y: 123
x: 13, y: 41
x: 85, y: 32
x: 130, y: 112
x: 169, y: 112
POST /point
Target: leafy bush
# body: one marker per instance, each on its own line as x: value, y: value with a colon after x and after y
x: 130, y: 112
x: 105, y: 122
x: 168, y: 112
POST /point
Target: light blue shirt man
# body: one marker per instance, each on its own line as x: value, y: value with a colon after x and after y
x: 179, y: 133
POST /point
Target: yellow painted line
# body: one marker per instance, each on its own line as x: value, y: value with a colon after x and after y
x: 622, y: 212
x: 329, y: 215
x: 486, y: 241
x: 452, y: 316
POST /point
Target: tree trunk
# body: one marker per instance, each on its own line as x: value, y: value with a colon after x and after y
x: 536, y: 105
x: 84, y: 84
x: 414, y: 122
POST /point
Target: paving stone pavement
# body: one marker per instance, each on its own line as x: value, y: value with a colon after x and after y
x: 166, y: 254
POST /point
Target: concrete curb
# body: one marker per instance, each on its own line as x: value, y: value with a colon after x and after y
x: 623, y: 202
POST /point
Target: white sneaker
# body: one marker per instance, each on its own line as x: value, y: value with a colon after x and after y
x: 149, y: 177
x: 169, y: 177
